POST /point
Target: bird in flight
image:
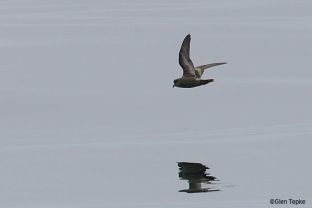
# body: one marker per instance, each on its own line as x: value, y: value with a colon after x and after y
x: 191, y: 75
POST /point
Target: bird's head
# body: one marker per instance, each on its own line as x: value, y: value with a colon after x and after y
x: 175, y: 83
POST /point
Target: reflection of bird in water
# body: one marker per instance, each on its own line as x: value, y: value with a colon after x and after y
x: 196, y: 175
x: 191, y: 75
x: 187, y: 167
x: 195, y: 186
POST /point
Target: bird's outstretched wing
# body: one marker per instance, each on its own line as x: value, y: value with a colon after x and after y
x: 199, y: 70
x: 184, y: 58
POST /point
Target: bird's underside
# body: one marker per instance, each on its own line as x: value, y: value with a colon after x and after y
x: 191, y: 75
x: 189, y: 82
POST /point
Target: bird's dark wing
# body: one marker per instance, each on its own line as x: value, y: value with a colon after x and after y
x: 199, y: 70
x: 184, y: 58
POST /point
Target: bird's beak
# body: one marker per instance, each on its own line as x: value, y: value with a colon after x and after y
x: 173, y: 86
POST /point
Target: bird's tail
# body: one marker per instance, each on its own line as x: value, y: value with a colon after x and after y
x: 201, y: 68
x: 205, y: 81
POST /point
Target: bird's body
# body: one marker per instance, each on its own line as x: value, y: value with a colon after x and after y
x: 189, y: 82
x: 191, y: 75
